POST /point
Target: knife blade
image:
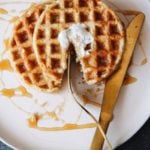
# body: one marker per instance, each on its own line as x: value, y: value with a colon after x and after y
x: 114, y: 83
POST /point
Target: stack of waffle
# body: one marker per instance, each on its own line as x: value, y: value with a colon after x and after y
x: 38, y: 56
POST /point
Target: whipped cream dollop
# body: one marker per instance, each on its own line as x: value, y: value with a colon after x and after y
x: 78, y: 35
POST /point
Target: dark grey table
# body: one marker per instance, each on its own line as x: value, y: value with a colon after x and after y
x: 140, y: 141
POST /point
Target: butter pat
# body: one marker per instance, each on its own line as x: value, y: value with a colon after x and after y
x: 77, y: 35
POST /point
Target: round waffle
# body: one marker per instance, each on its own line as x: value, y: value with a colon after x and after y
x: 104, y: 25
x: 23, y: 55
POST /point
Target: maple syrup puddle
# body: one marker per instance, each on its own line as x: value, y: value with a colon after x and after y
x: 5, y: 65
x: 19, y: 91
x: 129, y: 80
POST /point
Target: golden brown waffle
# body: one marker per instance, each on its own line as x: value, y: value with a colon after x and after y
x: 51, y: 58
x: 22, y: 52
x: 102, y: 22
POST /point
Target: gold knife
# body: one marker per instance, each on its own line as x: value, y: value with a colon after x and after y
x: 114, y: 83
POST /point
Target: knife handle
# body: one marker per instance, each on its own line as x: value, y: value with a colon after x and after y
x: 105, y: 119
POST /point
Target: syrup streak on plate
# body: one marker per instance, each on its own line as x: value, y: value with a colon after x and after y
x: 129, y: 80
x: 5, y: 65
x: 18, y: 91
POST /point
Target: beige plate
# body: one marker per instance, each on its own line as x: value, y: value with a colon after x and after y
x: 132, y: 109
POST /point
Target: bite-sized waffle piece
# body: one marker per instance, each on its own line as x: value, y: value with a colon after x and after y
x: 23, y: 57
x: 104, y: 25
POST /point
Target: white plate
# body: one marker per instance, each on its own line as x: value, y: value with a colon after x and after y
x: 132, y: 110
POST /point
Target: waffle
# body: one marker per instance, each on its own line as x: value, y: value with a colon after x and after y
x: 51, y: 58
x: 23, y: 57
x: 104, y: 25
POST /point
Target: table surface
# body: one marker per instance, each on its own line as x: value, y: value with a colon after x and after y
x: 140, y: 141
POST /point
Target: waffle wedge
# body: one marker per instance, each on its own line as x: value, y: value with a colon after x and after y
x: 23, y: 57
x: 51, y: 58
x: 104, y: 25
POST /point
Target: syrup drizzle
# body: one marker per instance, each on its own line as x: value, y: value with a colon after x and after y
x: 19, y: 91
x: 6, y: 43
x: 34, y: 118
x: 5, y: 65
x: 3, y: 11
x: 7, y: 92
x: 129, y: 80
x: 86, y: 100
x: 69, y: 127
x: 32, y: 121
x: 53, y: 115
